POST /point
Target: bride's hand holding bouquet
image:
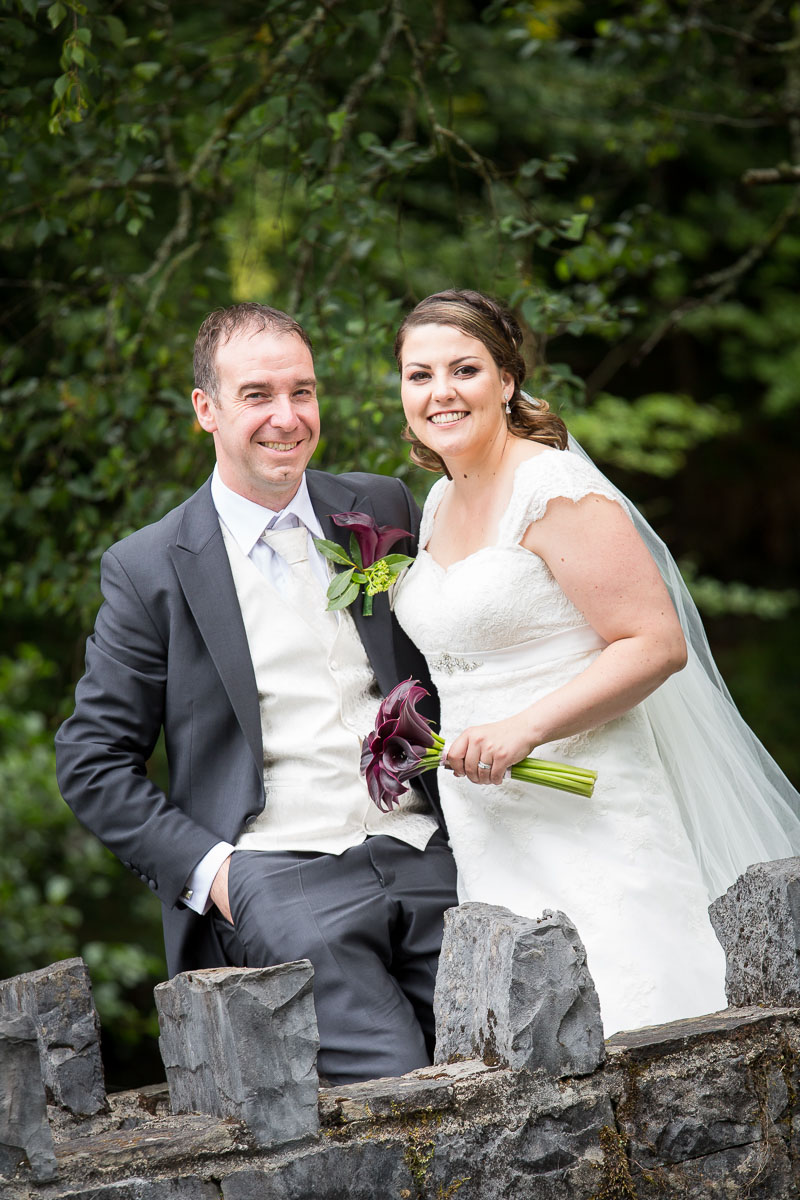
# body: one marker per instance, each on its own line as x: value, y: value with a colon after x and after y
x: 484, y: 753
x: 403, y: 745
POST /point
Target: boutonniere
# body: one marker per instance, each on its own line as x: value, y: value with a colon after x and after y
x: 369, y: 566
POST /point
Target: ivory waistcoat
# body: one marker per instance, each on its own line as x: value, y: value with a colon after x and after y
x: 318, y: 698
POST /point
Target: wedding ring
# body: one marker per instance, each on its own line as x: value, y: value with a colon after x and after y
x: 482, y: 766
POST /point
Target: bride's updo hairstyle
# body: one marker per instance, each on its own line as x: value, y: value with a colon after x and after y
x: 481, y: 317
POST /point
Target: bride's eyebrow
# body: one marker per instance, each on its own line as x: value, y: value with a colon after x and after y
x: 453, y: 362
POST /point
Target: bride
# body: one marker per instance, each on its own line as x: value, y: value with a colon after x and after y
x: 549, y: 629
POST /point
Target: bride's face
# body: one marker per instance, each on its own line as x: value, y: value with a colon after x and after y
x: 453, y: 392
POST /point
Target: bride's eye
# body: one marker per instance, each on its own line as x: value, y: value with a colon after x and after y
x: 417, y: 376
x: 467, y: 371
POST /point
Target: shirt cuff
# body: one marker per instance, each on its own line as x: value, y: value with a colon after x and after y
x: 198, y: 885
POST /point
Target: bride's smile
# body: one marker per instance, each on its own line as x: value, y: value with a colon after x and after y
x: 447, y: 418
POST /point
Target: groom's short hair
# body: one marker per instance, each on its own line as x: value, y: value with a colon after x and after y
x: 220, y: 326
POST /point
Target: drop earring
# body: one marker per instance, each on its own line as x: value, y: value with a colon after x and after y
x: 508, y: 404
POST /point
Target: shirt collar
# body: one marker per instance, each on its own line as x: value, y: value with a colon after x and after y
x: 247, y: 520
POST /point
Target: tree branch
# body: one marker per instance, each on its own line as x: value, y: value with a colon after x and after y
x: 723, y: 282
x: 749, y: 39
x: 359, y: 86
x: 251, y: 94
x: 781, y: 174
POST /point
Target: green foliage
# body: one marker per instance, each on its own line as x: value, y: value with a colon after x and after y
x: 652, y: 433
x: 717, y: 599
x: 56, y: 880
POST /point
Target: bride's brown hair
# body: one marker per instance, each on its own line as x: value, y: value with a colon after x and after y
x: 481, y: 317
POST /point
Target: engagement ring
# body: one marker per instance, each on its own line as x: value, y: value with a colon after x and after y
x: 482, y: 766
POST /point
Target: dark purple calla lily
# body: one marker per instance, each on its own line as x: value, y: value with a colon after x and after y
x: 373, y: 540
x: 384, y: 788
x: 398, y: 749
x: 404, y: 760
x: 400, y: 705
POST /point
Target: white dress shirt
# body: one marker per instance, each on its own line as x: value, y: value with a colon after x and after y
x: 246, y: 521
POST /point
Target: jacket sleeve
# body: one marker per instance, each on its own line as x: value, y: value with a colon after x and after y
x: 103, y: 748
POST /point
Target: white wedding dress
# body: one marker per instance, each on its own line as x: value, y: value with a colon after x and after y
x: 498, y: 632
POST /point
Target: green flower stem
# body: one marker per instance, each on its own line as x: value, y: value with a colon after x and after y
x: 366, y: 607
x: 577, y: 780
x: 559, y: 776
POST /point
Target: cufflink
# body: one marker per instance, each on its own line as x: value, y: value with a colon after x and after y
x: 187, y: 894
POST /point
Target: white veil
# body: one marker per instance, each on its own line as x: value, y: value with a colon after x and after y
x: 736, y: 804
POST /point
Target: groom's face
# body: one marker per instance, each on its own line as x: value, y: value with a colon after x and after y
x: 264, y: 417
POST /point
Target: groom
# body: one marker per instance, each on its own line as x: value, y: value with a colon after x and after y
x: 267, y: 848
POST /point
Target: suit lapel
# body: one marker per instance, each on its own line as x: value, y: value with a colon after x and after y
x: 329, y: 496
x: 203, y: 569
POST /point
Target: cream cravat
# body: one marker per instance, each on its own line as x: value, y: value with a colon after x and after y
x: 304, y: 590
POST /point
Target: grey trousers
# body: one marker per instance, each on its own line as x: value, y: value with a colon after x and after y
x: 370, y: 921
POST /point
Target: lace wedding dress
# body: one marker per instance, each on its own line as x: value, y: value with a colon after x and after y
x: 498, y: 633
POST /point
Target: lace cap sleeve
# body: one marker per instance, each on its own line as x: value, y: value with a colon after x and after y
x: 544, y: 477
x: 429, y: 511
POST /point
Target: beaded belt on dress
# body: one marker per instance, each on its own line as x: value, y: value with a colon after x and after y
x: 524, y: 655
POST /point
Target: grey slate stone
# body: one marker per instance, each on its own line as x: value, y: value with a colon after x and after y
x: 752, y: 1172
x: 701, y: 1109
x: 24, y: 1129
x: 188, y: 1187
x: 549, y: 1156
x: 59, y: 1000
x: 552, y: 1155
x: 516, y: 991
x: 349, y: 1172
x: 696, y: 1105
x: 242, y: 1042
x: 758, y: 923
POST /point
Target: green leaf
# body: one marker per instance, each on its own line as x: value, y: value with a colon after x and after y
x: 355, y: 550
x: 30, y: 7
x: 60, y: 86
x: 340, y: 583
x: 147, y: 70
x: 56, y: 13
x: 575, y: 227
x: 397, y: 561
x: 336, y: 122
x: 333, y: 551
x: 116, y: 30
x: 347, y: 597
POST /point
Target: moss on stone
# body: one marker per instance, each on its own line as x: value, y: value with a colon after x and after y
x: 617, y: 1183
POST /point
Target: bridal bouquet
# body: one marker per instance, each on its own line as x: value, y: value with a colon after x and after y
x: 403, y: 745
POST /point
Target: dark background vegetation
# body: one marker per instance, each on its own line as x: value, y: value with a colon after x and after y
x: 624, y: 175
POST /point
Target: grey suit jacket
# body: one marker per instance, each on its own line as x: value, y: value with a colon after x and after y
x: 169, y: 651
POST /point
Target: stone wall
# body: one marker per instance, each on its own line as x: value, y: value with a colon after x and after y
x: 531, y: 1104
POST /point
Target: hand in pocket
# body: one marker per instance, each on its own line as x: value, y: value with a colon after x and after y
x: 219, y: 890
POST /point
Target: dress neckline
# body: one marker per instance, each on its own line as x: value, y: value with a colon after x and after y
x: 498, y: 542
